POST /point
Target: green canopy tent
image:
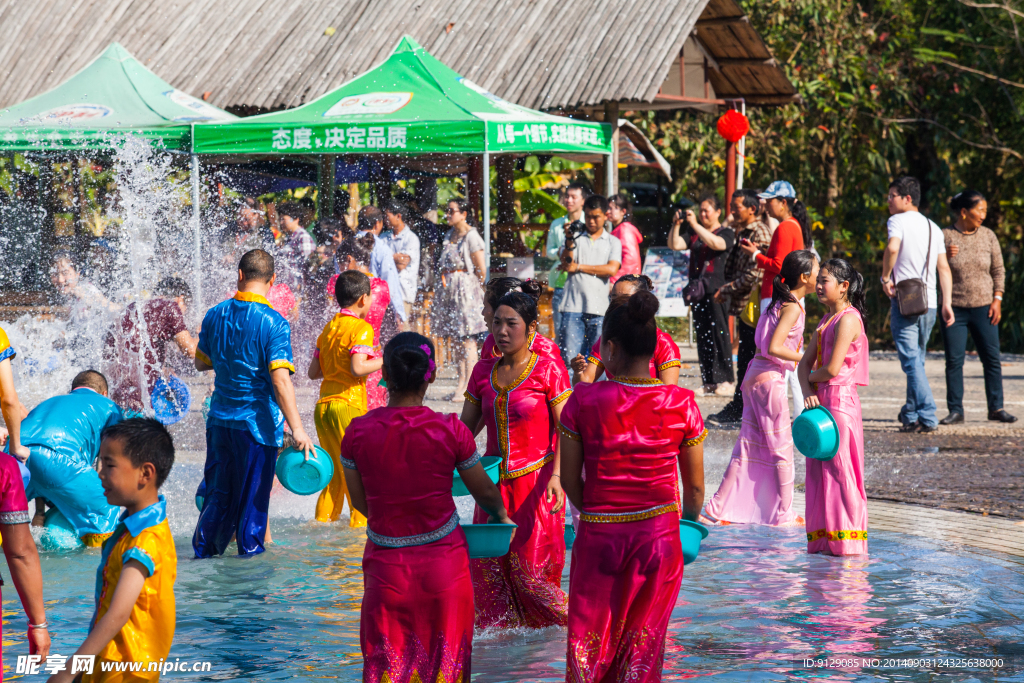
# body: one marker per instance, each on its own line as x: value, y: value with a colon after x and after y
x: 411, y: 104
x: 114, y: 95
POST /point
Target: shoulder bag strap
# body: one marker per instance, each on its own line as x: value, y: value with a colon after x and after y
x: 927, y: 254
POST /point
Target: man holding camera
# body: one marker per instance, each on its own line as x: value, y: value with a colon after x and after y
x: 589, y: 258
x: 569, y: 224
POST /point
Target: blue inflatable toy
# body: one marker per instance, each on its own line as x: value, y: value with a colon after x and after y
x: 58, y: 534
x: 171, y: 399
x: 301, y: 476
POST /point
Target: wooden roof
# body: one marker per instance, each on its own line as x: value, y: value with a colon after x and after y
x: 274, y: 54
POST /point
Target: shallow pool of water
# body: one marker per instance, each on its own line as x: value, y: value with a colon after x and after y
x: 751, y: 607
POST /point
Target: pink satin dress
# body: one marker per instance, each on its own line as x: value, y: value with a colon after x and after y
x: 377, y: 396
x: 627, y: 561
x: 837, y: 504
x: 523, y: 588
x: 666, y: 355
x: 757, y: 487
x: 416, y: 621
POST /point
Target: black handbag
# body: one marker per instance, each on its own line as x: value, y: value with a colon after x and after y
x: 912, y: 294
x: 694, y: 291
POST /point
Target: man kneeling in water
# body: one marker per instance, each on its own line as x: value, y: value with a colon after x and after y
x: 63, y: 435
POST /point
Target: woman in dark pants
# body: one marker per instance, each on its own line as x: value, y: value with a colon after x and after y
x: 978, y: 284
x: 709, y: 243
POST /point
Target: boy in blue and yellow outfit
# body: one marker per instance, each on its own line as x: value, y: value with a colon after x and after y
x: 63, y: 437
x: 248, y: 345
x: 135, y: 611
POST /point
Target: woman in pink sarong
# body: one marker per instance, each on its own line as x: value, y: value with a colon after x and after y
x: 628, y: 434
x: 416, y: 621
x: 835, y: 364
x: 757, y: 487
x: 519, y: 398
x: 354, y: 254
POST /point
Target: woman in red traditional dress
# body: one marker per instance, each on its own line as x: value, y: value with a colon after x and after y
x: 628, y: 433
x: 498, y: 288
x: 520, y: 397
x: 354, y: 254
x: 416, y: 621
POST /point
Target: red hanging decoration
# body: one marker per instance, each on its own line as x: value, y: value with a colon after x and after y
x: 733, y: 125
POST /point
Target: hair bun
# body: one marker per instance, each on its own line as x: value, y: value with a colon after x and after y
x: 642, y: 306
x: 531, y: 288
x: 367, y: 241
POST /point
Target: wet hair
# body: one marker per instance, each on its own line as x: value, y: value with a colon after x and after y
x: 522, y: 303
x: 965, y: 201
x: 369, y: 217
x: 623, y: 202
x: 326, y: 228
x: 143, y: 440
x: 748, y: 198
x: 407, y: 362
x: 584, y: 190
x: 842, y: 271
x: 349, y: 286
x: 397, y: 208
x: 629, y: 321
x: 292, y: 210
x: 359, y: 248
x: 500, y: 286
x: 257, y: 265
x: 460, y: 202
x: 710, y: 197
x: 799, y: 212
x: 90, y: 379
x: 795, y: 264
x: 174, y: 287
x: 65, y: 255
x: 639, y: 282
x: 908, y: 186
x: 595, y: 201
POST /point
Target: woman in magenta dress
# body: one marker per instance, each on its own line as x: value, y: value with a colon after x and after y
x: 835, y: 364
x: 519, y: 398
x: 416, y: 621
x: 757, y: 487
x: 354, y: 254
x: 665, y: 362
x: 628, y: 434
x: 498, y: 288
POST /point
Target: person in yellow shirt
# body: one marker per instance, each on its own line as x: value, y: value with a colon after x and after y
x: 133, y: 626
x: 344, y: 356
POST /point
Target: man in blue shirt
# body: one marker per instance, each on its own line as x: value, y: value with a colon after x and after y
x: 248, y: 346
x: 382, y: 260
x: 63, y: 435
x: 405, y: 245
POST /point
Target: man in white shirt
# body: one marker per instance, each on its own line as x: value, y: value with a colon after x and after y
x: 908, y: 256
x: 572, y: 200
x: 406, y: 248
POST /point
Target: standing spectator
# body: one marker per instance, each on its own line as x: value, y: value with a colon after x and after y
x: 144, y: 342
x: 742, y: 276
x: 405, y: 246
x: 459, y: 294
x: 296, y: 248
x: 589, y: 259
x: 792, y: 234
x: 620, y: 210
x: 906, y: 257
x: 569, y: 224
x: 976, y: 265
x: 382, y: 260
x: 709, y: 243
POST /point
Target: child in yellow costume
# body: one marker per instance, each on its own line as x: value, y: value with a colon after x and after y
x: 344, y: 357
x: 134, y: 619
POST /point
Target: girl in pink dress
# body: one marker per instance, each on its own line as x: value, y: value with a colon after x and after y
x: 757, y: 487
x: 628, y: 434
x: 835, y: 364
x: 354, y: 254
x: 665, y: 362
x: 416, y: 621
x: 520, y: 397
x: 498, y: 288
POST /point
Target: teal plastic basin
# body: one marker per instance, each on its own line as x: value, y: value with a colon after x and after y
x: 570, y: 536
x: 58, y: 532
x: 488, y: 540
x: 816, y: 434
x: 301, y: 477
x: 490, y: 463
x: 690, y: 535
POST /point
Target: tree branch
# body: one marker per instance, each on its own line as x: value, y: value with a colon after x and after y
x: 1000, y: 79
x: 1005, y: 150
x: 992, y: 5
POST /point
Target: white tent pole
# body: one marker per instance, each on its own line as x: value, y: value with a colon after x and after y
x: 485, y: 186
x: 741, y: 150
x: 609, y: 174
x: 196, y: 239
